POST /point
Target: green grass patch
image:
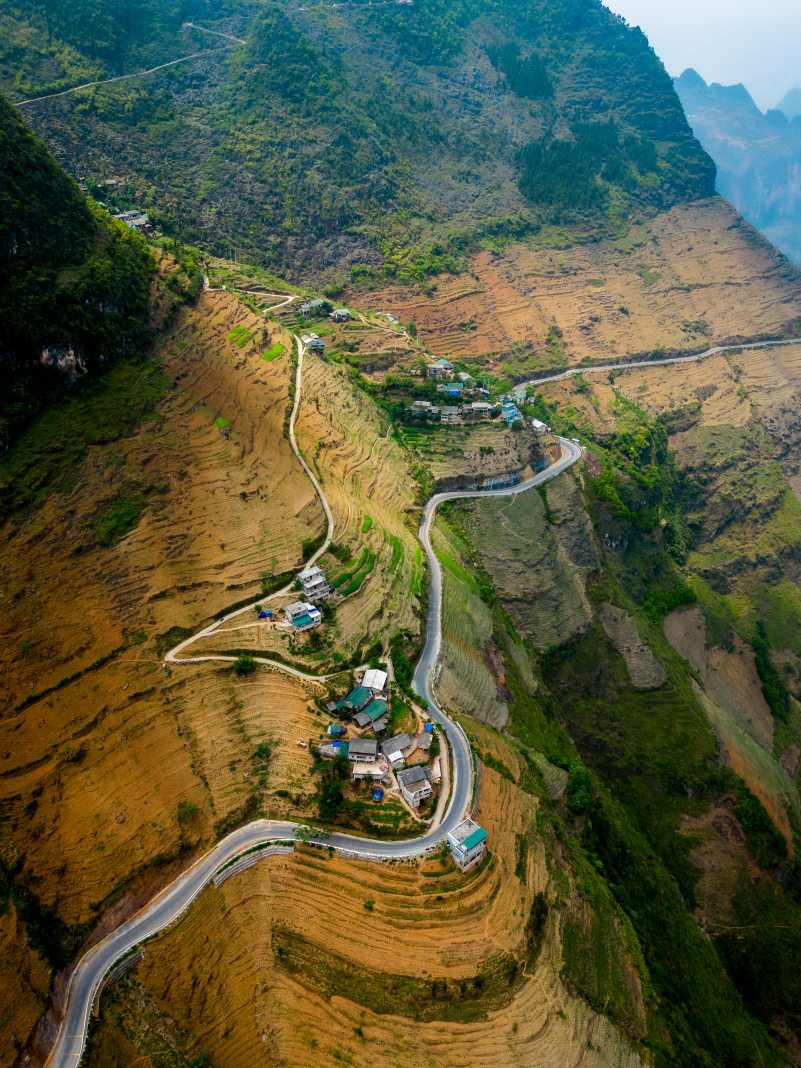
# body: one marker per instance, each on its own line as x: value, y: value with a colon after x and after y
x: 273, y: 353
x: 367, y: 522
x: 237, y: 330
x: 47, y: 455
x: 221, y: 422
x: 356, y: 581
x: 244, y: 337
x: 120, y: 517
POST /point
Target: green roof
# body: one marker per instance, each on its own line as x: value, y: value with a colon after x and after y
x: 474, y: 839
x: 358, y: 696
x: 376, y: 709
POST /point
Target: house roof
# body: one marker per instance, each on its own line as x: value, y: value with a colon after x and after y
x: 377, y: 708
x: 468, y: 831
x: 412, y: 777
x: 380, y: 724
x: 396, y: 744
x: 444, y: 363
x: 374, y: 679
x: 475, y: 838
x: 359, y: 696
x: 363, y: 747
x: 310, y: 573
x: 424, y: 740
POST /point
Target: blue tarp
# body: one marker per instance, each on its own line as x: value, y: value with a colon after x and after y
x: 265, y: 614
x: 429, y: 727
x: 378, y: 794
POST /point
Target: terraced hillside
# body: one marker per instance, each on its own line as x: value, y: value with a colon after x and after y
x: 148, y: 519
x: 687, y: 279
x: 419, y: 962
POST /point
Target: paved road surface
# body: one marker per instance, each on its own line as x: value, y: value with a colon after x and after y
x: 87, y: 977
x: 163, y: 910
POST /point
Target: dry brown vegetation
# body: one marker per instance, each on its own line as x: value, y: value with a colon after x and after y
x: 94, y: 769
x: 687, y: 279
x: 246, y: 976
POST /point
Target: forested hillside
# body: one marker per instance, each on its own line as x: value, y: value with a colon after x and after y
x: 73, y: 284
x: 367, y: 138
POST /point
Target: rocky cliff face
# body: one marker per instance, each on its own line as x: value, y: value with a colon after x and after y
x: 758, y: 155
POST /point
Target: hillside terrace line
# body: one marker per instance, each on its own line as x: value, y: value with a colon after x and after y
x: 466, y: 840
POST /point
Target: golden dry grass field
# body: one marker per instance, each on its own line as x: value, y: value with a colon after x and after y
x: 684, y: 280
x: 312, y: 959
x: 92, y: 771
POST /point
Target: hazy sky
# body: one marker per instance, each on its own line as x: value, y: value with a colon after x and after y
x: 757, y: 42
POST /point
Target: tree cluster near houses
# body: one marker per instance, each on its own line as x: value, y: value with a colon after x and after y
x: 404, y: 764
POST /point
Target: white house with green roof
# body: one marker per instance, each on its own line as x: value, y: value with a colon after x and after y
x: 468, y: 844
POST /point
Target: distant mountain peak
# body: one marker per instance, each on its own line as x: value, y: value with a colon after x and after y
x: 691, y: 79
x: 790, y: 104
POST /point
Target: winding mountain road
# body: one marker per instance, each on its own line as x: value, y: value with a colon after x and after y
x: 87, y: 977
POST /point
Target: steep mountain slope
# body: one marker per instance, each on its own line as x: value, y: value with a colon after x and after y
x: 790, y: 104
x: 73, y: 284
x: 387, y: 136
x: 758, y: 156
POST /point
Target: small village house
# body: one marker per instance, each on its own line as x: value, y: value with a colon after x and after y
x: 397, y: 749
x: 468, y: 844
x: 313, y: 342
x: 414, y: 785
x: 340, y: 315
x: 314, y: 307
x: 303, y: 616
x: 540, y: 427
x: 356, y: 700
x: 375, y: 680
x: 363, y: 751
x: 371, y: 714
x: 433, y: 370
x: 314, y: 584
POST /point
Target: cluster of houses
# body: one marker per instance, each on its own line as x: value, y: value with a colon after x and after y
x: 304, y: 615
x: 401, y: 759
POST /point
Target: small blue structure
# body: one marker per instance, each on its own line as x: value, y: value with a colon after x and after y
x: 265, y: 614
x: 378, y: 794
x: 428, y: 727
x: 335, y: 730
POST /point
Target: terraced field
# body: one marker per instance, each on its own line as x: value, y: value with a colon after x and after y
x: 689, y: 278
x: 364, y: 473
x: 146, y: 533
x: 264, y: 990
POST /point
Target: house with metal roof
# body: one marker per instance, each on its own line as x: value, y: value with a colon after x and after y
x: 375, y: 680
x: 363, y: 751
x: 396, y: 749
x: 340, y: 315
x: 314, y: 307
x: 356, y: 700
x: 414, y: 785
x: 468, y: 844
x: 371, y: 713
x: 424, y: 740
x: 303, y: 616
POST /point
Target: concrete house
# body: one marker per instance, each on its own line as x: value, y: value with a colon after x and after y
x: 414, y: 785
x: 313, y: 342
x: 340, y: 315
x: 314, y: 584
x: 397, y: 749
x: 445, y: 364
x: 451, y: 414
x: 468, y: 844
x: 433, y: 370
x: 303, y: 616
x: 540, y: 427
x: 363, y: 751
x: 314, y: 307
x: 478, y: 410
x: 375, y: 680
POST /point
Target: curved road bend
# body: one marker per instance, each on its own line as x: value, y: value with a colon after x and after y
x: 172, y: 902
x: 87, y: 978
